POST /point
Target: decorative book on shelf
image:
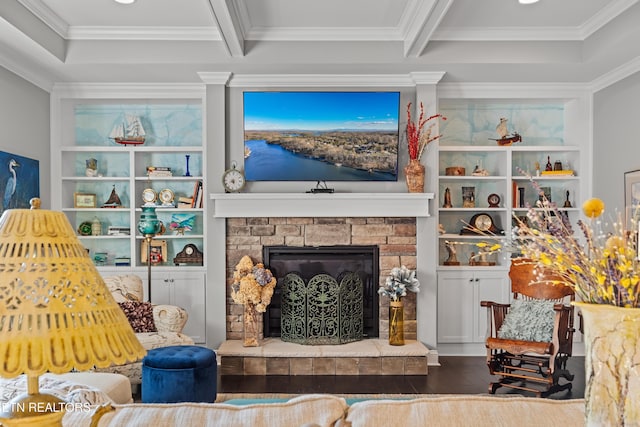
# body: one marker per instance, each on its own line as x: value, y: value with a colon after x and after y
x: 159, y: 171
x: 566, y: 172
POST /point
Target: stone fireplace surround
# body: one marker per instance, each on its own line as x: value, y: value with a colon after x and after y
x: 387, y: 220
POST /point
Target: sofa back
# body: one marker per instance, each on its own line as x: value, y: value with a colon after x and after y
x: 309, y: 410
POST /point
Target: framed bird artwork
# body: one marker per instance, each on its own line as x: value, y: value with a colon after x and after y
x: 19, y: 181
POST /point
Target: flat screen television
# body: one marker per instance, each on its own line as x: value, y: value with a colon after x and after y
x: 321, y: 136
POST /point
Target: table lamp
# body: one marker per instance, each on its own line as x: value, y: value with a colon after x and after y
x: 56, y: 313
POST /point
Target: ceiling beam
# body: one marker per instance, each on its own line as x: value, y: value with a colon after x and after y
x: 423, y: 18
x: 15, y: 14
x: 227, y: 14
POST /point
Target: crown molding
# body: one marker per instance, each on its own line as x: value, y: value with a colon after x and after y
x: 508, y: 34
x: 331, y: 80
x: 604, y: 16
x: 143, y: 33
x: 129, y: 90
x: 215, y: 78
x: 31, y: 74
x: 615, y: 75
x: 579, y: 33
x: 553, y: 90
x: 324, y: 34
x: 46, y: 15
x: 427, y: 77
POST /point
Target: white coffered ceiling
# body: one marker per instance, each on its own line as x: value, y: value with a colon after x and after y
x: 580, y: 41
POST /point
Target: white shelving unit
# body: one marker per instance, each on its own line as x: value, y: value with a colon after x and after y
x: 551, y: 132
x: 82, y: 117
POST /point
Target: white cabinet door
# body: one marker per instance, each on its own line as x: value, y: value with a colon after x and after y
x: 455, y: 307
x: 489, y: 286
x: 460, y: 317
x: 186, y: 290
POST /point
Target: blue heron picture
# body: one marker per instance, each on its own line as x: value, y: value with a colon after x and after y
x: 19, y: 181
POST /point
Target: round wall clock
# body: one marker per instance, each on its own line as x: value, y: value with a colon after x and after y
x: 233, y: 179
x: 149, y: 196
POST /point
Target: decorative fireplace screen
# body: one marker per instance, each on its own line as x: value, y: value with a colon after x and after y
x: 322, y: 311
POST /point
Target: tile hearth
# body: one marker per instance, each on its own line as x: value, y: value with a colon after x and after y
x: 367, y: 357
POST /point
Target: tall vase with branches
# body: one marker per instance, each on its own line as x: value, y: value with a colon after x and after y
x: 418, y: 138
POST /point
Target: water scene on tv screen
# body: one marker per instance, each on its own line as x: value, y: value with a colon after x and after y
x: 321, y: 136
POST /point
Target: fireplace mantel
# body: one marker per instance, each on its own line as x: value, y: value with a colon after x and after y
x: 242, y: 205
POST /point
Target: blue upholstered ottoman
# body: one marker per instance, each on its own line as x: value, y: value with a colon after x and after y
x: 181, y: 373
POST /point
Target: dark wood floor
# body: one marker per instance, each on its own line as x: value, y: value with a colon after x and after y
x: 456, y: 375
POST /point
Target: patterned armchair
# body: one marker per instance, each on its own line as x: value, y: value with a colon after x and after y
x: 169, y: 321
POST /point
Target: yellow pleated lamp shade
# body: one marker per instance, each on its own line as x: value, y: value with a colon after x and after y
x: 56, y: 313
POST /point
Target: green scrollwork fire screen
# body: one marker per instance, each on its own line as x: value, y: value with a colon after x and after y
x: 322, y: 311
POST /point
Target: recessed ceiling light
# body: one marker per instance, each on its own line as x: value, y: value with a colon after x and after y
x: 522, y: 1
x: 124, y: 1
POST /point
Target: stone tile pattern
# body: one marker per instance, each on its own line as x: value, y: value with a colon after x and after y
x: 393, y: 365
x: 396, y: 238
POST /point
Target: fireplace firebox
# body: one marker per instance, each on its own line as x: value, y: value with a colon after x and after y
x: 335, y: 261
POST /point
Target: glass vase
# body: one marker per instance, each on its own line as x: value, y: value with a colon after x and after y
x: 251, y: 327
x: 396, y: 323
x: 612, y: 364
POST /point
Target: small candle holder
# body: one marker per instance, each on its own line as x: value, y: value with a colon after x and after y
x: 187, y: 173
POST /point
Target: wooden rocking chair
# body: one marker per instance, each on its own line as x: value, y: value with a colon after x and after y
x: 532, y: 366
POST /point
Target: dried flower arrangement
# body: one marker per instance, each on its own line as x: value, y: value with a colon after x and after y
x: 252, y: 284
x: 602, y: 269
x: 417, y: 136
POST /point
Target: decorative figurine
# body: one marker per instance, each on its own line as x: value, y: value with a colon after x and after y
x: 548, y: 167
x: 447, y: 198
x: 92, y: 168
x: 451, y: 250
x: 567, y: 203
x: 96, y: 227
x: 479, y: 171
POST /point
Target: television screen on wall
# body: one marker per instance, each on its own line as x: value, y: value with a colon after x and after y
x: 321, y: 136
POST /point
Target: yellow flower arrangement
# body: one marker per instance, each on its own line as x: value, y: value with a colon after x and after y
x: 602, y: 267
x: 252, y: 284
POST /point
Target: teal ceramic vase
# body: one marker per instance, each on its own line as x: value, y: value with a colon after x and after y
x: 149, y: 225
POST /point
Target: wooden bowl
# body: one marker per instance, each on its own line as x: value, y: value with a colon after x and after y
x: 455, y: 171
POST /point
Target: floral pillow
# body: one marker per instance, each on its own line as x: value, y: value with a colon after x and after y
x: 529, y: 320
x: 140, y: 315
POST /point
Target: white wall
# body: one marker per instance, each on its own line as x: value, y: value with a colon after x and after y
x: 616, y: 140
x: 24, y: 122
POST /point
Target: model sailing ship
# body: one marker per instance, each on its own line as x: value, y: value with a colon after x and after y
x: 503, y: 133
x: 113, y: 201
x: 128, y: 132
